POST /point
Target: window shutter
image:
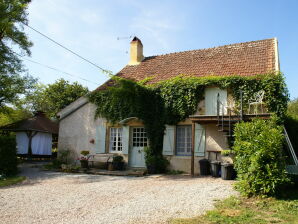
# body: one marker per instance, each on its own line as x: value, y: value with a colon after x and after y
x: 100, y: 139
x: 199, y: 140
x: 125, y: 139
x: 169, y: 140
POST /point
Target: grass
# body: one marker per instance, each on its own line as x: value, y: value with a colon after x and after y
x: 11, y: 180
x: 251, y: 210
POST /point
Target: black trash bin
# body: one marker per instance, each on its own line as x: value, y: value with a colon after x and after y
x: 227, y: 171
x: 215, y: 168
x: 204, y: 167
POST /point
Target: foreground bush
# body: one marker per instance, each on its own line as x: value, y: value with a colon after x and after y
x: 155, y: 163
x: 259, y: 161
x: 8, y: 157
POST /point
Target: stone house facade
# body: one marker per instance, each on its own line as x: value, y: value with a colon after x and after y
x: 78, y: 130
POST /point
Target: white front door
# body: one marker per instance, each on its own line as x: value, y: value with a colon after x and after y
x: 211, y: 100
x: 138, y: 142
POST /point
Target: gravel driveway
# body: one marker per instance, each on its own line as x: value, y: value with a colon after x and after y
x: 48, y: 197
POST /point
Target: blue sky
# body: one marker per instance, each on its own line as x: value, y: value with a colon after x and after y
x: 91, y: 28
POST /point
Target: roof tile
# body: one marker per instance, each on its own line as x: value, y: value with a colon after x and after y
x: 243, y: 59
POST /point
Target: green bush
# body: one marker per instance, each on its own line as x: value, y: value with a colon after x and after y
x: 291, y: 124
x: 55, y: 164
x: 155, y: 163
x: 64, y: 156
x: 8, y: 157
x: 259, y: 160
x: 117, y: 159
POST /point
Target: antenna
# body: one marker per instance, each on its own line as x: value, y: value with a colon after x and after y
x: 124, y: 38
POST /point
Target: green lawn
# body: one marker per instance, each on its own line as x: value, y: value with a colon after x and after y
x: 11, y: 180
x: 252, y: 210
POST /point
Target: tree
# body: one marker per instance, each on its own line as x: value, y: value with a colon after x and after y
x: 13, y: 15
x: 293, y: 108
x: 54, y: 97
x: 291, y: 123
x: 10, y: 115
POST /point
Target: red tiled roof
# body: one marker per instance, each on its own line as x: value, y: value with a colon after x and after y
x: 244, y: 59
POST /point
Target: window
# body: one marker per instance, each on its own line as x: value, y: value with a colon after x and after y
x: 115, y: 139
x: 183, y: 140
x: 139, y: 137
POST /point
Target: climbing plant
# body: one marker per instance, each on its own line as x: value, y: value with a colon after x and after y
x: 173, y: 100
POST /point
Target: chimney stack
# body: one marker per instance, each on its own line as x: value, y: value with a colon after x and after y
x: 136, y: 51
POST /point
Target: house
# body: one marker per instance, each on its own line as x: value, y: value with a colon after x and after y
x: 34, y: 135
x: 80, y: 131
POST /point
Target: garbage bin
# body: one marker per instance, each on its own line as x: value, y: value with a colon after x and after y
x: 227, y: 171
x: 204, y: 167
x: 215, y: 168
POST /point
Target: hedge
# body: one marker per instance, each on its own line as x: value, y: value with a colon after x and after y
x: 8, y: 157
x: 259, y: 159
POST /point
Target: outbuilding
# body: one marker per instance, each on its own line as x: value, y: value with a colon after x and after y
x: 34, y: 135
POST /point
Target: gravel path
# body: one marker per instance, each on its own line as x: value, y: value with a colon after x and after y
x: 48, y: 197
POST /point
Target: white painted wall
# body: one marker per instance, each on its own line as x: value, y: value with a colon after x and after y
x: 77, y: 129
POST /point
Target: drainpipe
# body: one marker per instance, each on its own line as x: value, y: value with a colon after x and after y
x: 192, y: 149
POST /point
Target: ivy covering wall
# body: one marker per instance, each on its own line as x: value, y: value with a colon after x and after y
x: 174, y: 100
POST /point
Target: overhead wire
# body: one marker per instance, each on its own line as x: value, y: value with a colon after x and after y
x: 56, y: 69
x: 69, y: 50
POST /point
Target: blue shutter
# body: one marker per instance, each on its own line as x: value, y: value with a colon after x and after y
x: 199, y: 140
x: 100, y: 139
x: 125, y: 139
x: 169, y: 140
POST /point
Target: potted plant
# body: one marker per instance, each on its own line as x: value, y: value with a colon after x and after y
x: 118, y: 163
x: 84, y: 159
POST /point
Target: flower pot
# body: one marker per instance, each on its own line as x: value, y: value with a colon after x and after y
x: 84, y: 164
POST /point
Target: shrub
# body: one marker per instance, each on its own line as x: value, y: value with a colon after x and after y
x: 155, y: 163
x: 64, y: 156
x: 117, y: 159
x: 291, y: 124
x: 259, y: 161
x: 55, y: 164
x: 8, y: 157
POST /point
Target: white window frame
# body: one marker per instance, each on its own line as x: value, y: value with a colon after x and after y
x: 185, y: 143
x: 116, y: 137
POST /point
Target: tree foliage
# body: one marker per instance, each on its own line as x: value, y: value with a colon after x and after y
x: 12, y: 17
x: 291, y: 123
x: 10, y: 115
x: 53, y: 97
x: 259, y: 161
x: 293, y: 108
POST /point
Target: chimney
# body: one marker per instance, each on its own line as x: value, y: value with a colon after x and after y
x: 136, y: 51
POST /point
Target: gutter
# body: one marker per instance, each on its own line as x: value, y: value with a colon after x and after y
x: 277, y: 65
